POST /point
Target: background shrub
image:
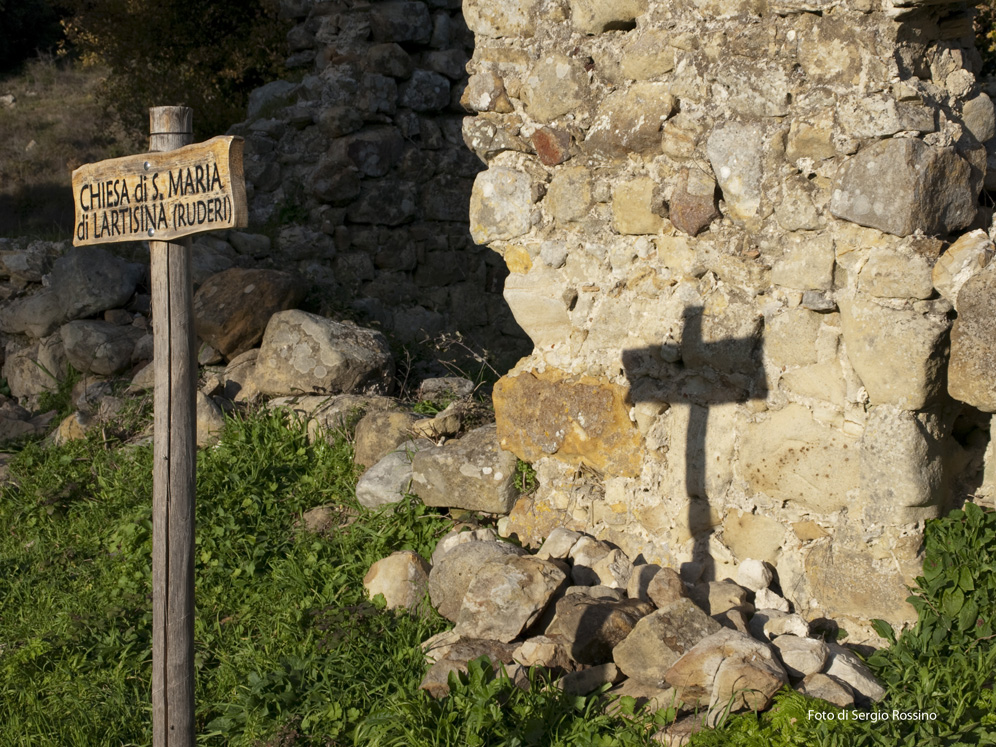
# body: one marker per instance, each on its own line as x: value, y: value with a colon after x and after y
x: 25, y: 25
x: 206, y: 54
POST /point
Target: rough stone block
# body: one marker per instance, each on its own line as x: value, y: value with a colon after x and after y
x: 902, y: 185
x: 501, y: 205
x: 972, y: 367
x: 572, y: 418
x: 789, y: 456
x: 898, y: 353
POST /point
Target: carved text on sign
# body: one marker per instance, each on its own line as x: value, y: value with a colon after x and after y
x: 161, y: 196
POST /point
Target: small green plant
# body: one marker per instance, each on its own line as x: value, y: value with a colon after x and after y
x: 59, y: 399
x: 525, y: 477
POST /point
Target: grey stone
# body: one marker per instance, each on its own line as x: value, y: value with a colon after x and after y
x: 425, y: 91
x: 754, y: 574
x: 589, y: 679
x: 460, y: 536
x: 630, y: 121
x: 401, y: 21
x: 660, y: 639
x: 827, y: 688
x: 390, y: 478
x: 99, y: 347
x: 961, y: 261
x: 302, y: 353
x: 506, y: 596
x: 556, y: 85
x: 558, y: 543
x: 902, y: 185
x: 472, y: 473
x: 801, y: 656
x: 736, y: 151
x: 210, y: 421
x: 270, y: 97
x: 666, y: 587
x: 452, y: 574
x: 37, y: 315
x: 458, y: 654
x: 640, y: 579
x: 844, y: 665
x: 501, y: 205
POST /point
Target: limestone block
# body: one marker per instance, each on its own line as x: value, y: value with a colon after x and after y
x: 701, y: 442
x: 510, y: 18
x: 660, y: 639
x: 848, y: 581
x: 633, y: 207
x: 210, y: 420
x: 723, y: 334
x: 902, y: 185
x: 962, y: 260
x: 898, y: 353
x: 558, y: 544
x: 682, y: 134
x: 768, y: 600
x: 640, y: 580
x: 736, y: 152
x: 810, y: 139
x: 901, y: 466
x: 825, y: 687
x: 718, y: 597
x: 303, y: 353
x: 37, y: 315
x: 880, y: 115
x: 896, y: 274
x: 471, y: 473
x: 801, y: 656
x: 572, y: 418
x: 822, y: 381
x: 569, y: 194
x: 402, y: 577
x: 647, y: 55
x: 630, y: 120
x: 754, y: 574
x: 807, y: 263
x: 506, y: 596
x: 796, y: 211
x: 452, y: 574
x: 596, y: 16
x: 537, y: 302
x: 971, y: 376
x: 556, y: 86
x: 666, y: 587
x: 378, y: 433
x: 790, y: 456
x: 753, y: 535
x: 485, y: 92
x: 790, y: 337
x: 501, y: 205
x: 389, y: 479
x: 845, y: 666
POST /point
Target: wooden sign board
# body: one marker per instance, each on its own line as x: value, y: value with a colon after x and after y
x: 161, y: 196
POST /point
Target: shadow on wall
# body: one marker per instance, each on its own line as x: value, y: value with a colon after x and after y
x: 703, y: 372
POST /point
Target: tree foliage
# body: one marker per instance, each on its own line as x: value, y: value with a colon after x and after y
x: 25, y: 25
x: 206, y: 54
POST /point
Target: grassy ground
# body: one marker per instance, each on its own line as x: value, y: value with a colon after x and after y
x: 54, y: 126
x: 290, y: 652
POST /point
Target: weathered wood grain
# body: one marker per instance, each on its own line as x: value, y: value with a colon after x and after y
x: 174, y: 470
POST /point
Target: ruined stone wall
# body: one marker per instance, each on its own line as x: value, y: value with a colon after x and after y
x: 357, y: 164
x: 736, y: 231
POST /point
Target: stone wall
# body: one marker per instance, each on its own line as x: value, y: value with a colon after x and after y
x: 357, y: 161
x: 736, y: 232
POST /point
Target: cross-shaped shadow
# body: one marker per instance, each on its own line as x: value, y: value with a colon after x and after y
x: 703, y: 370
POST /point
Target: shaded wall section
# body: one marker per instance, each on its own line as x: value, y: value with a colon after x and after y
x: 356, y: 164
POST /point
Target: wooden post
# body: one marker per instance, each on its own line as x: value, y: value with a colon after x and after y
x: 174, y: 472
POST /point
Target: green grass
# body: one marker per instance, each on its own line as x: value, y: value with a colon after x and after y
x: 288, y: 648
x: 289, y: 651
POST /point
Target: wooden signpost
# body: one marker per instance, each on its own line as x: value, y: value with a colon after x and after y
x: 175, y: 190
